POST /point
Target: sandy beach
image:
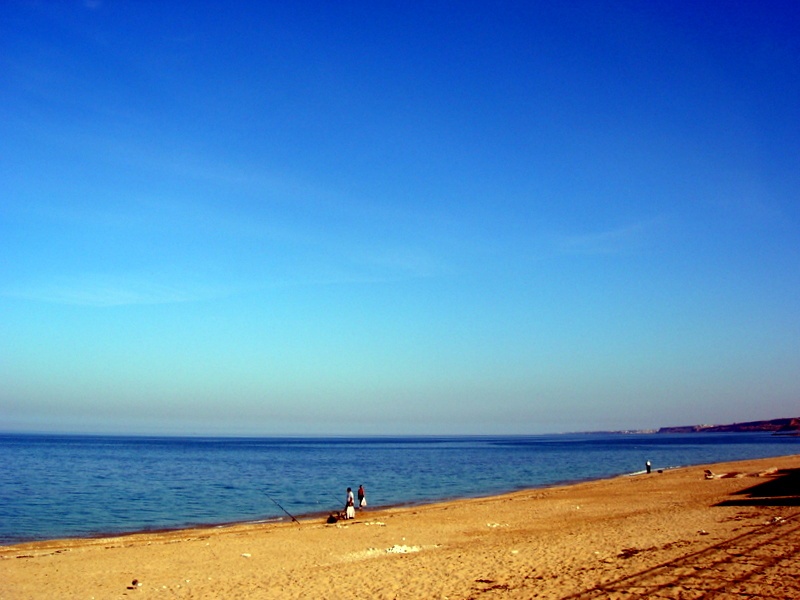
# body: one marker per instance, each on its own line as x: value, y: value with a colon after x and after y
x: 675, y: 534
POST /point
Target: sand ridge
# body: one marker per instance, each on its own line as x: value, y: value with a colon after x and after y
x: 675, y: 534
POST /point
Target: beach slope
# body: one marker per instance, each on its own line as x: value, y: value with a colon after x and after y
x: 683, y: 533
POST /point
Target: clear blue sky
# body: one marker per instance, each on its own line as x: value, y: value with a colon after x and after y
x: 398, y: 217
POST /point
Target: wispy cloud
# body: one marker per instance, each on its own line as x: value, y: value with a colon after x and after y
x: 107, y: 291
x: 608, y: 241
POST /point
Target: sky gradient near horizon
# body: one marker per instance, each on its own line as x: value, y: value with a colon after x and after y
x: 354, y: 218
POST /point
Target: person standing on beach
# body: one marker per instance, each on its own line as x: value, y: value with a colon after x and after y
x: 647, y: 465
x: 350, y: 509
x: 362, y: 498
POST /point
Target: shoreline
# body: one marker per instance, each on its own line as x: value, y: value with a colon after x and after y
x: 173, y: 493
x: 323, y: 514
x: 674, y: 533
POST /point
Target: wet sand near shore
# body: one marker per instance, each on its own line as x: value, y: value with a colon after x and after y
x: 676, y: 534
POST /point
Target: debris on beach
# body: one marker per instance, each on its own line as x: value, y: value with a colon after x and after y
x: 708, y: 474
x: 765, y: 472
x: 135, y: 584
x: 396, y: 549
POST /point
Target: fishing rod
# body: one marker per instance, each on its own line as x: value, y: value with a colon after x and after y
x: 283, y: 509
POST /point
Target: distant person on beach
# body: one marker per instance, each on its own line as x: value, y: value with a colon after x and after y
x: 647, y: 465
x: 350, y: 508
x: 362, y: 497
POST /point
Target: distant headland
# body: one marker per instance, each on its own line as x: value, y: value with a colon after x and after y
x: 789, y: 426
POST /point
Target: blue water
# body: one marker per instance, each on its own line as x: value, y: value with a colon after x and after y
x: 76, y: 486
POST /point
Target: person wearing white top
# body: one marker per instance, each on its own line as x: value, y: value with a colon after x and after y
x: 350, y: 508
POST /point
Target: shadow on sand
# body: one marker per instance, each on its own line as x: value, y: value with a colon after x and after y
x: 781, y: 490
x: 735, y: 567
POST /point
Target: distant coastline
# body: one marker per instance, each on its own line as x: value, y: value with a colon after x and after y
x: 790, y: 426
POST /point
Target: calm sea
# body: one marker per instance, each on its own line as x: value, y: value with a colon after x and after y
x: 76, y: 486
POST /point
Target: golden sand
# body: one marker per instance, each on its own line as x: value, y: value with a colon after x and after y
x: 676, y: 534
